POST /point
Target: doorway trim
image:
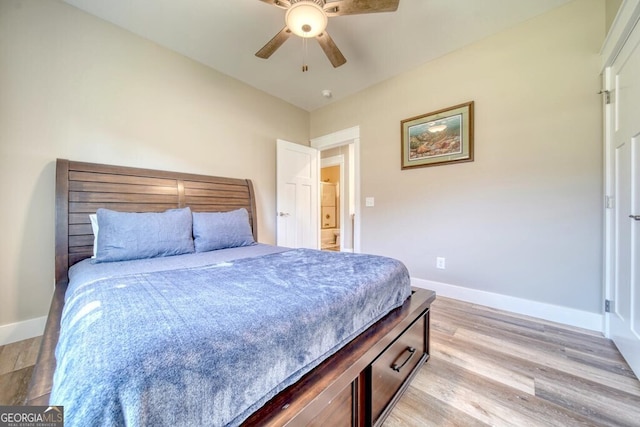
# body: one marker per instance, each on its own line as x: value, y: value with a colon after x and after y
x: 347, y: 137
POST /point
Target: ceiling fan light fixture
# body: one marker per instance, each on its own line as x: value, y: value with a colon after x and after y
x: 306, y: 19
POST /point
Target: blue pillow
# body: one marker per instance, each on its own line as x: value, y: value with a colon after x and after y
x: 220, y: 230
x: 125, y: 235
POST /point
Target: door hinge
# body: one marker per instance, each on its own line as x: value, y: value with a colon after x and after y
x: 607, y: 96
x: 607, y: 306
x: 608, y: 202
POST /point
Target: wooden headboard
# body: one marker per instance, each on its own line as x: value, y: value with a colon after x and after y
x: 82, y: 188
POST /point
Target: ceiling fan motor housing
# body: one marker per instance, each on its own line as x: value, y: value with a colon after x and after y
x: 320, y: 3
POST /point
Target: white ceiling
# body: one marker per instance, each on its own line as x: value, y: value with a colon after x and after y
x: 225, y: 34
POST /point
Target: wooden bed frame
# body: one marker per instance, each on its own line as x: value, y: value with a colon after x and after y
x: 357, y: 386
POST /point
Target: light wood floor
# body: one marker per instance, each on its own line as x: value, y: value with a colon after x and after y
x: 490, y: 367
x: 16, y: 365
x: 487, y: 367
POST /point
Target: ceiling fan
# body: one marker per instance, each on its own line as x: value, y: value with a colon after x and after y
x: 308, y: 18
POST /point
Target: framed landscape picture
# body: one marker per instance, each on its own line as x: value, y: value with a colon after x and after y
x: 438, y: 138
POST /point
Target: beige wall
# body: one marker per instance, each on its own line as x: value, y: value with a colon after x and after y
x: 611, y: 10
x: 73, y: 86
x: 522, y: 220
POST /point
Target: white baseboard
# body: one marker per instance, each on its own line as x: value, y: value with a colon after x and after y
x: 22, y: 330
x: 550, y: 312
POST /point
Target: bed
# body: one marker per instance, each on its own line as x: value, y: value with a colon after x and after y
x: 350, y: 372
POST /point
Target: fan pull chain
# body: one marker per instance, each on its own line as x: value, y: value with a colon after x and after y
x: 305, y: 67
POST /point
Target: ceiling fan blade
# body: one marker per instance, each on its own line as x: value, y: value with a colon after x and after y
x: 273, y: 44
x: 355, y: 7
x: 284, y: 4
x: 331, y: 50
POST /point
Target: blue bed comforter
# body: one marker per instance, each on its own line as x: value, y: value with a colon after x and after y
x: 209, y: 345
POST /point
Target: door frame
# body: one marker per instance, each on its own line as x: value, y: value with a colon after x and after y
x: 347, y: 137
x: 608, y: 271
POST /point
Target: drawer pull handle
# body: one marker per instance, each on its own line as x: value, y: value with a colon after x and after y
x: 396, y: 367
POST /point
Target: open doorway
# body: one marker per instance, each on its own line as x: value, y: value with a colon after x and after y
x: 339, y: 214
x: 332, y: 194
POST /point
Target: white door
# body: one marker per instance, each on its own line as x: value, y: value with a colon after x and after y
x: 297, y: 170
x: 623, y: 127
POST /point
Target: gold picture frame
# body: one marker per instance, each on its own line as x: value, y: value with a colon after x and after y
x: 438, y: 138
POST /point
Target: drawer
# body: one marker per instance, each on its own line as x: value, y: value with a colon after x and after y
x: 340, y: 411
x: 390, y: 370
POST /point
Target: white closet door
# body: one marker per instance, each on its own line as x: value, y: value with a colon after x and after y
x: 623, y: 127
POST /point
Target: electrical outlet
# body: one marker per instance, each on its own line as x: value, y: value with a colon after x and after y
x: 440, y: 263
